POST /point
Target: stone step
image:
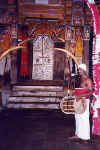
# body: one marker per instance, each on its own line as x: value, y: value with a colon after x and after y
x: 37, y: 93
x: 40, y: 83
x: 34, y: 99
x: 37, y: 88
x: 33, y: 106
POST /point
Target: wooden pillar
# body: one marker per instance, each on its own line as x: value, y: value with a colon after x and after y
x: 86, y: 37
x: 13, y: 54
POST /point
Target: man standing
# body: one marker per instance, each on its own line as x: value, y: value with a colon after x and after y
x: 82, y: 132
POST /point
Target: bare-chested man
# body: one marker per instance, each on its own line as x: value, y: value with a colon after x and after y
x: 82, y: 120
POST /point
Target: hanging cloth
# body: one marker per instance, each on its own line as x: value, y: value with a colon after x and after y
x: 24, y: 58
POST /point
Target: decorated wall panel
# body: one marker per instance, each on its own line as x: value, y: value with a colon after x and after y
x: 74, y: 42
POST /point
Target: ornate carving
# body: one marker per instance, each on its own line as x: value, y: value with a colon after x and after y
x: 86, y: 33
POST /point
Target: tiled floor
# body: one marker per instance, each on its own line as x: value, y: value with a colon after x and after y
x: 38, y: 130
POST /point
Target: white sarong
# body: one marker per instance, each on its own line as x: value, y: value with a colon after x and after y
x: 83, y: 123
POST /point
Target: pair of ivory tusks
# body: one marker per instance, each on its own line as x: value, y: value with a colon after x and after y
x: 5, y: 53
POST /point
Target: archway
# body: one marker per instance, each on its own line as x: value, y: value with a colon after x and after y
x: 96, y: 65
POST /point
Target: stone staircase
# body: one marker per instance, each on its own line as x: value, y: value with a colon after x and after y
x: 40, y: 96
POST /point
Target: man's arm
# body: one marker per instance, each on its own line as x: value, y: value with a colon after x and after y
x: 87, y: 91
